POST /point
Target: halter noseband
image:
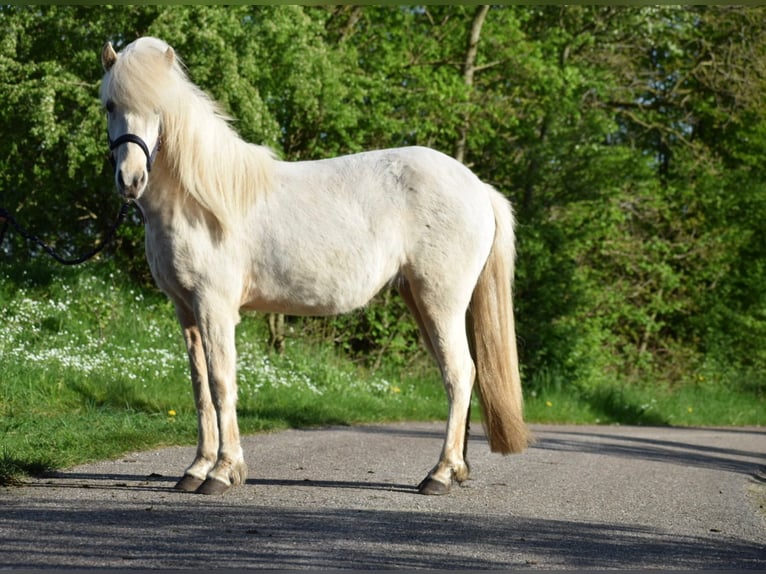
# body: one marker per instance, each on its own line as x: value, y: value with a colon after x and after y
x: 132, y: 138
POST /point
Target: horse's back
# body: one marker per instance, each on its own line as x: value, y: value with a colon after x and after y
x: 409, y: 189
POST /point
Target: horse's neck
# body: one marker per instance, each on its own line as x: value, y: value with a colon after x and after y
x: 167, y: 207
x: 213, y: 165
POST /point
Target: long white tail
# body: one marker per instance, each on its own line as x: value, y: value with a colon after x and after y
x: 493, y: 339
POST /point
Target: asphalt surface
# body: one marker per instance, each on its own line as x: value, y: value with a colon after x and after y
x: 344, y: 497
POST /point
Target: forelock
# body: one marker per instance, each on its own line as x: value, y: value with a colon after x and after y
x: 140, y: 78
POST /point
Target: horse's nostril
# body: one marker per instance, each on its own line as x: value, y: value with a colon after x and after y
x: 130, y: 185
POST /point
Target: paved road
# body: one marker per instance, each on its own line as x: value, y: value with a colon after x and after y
x: 343, y: 497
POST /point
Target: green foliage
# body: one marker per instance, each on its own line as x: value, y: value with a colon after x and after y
x: 629, y: 139
x: 381, y: 335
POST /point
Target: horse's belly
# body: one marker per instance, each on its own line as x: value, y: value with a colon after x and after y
x: 313, y: 283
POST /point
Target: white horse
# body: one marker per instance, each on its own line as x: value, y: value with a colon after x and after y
x: 230, y: 227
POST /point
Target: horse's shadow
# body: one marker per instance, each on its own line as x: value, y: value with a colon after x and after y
x: 338, y: 484
x: 160, y: 483
x: 103, y: 481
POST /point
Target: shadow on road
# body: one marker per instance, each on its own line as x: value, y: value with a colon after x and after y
x: 252, y: 536
x: 132, y: 520
x: 159, y: 483
x: 659, y: 450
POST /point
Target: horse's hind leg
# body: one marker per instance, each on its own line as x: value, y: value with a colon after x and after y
x: 207, y: 424
x: 406, y: 293
x: 442, y: 326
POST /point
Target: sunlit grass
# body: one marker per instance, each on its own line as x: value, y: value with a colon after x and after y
x: 647, y: 404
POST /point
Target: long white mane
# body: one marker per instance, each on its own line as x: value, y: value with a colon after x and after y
x: 209, y: 160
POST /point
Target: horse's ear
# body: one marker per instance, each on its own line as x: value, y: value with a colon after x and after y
x: 170, y: 56
x: 108, y: 56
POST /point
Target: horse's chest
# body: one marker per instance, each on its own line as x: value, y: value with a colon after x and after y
x: 178, y: 263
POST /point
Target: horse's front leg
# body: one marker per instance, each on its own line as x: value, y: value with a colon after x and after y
x: 218, y: 336
x: 207, y: 420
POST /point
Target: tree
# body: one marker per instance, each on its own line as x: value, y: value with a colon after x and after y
x: 53, y: 173
x: 629, y: 139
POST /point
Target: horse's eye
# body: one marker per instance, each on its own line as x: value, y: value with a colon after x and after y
x: 110, y: 106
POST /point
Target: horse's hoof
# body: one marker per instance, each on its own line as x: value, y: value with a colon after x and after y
x: 431, y: 486
x: 213, y: 486
x: 188, y: 483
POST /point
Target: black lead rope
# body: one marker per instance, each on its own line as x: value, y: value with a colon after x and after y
x: 8, y: 218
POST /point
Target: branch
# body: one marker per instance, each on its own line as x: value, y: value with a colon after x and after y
x: 469, y: 69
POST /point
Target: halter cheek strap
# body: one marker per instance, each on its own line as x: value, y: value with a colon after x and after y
x: 132, y: 138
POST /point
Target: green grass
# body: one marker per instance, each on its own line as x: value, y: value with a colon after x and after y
x: 92, y: 367
x: 651, y: 405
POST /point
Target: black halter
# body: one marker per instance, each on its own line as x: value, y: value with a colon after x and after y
x: 132, y: 138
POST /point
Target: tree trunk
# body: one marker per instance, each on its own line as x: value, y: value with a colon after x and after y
x: 469, y: 68
x: 276, y: 332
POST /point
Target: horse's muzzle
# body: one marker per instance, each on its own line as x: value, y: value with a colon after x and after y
x: 131, y: 186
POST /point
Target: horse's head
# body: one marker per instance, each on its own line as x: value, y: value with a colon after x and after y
x: 134, y: 118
